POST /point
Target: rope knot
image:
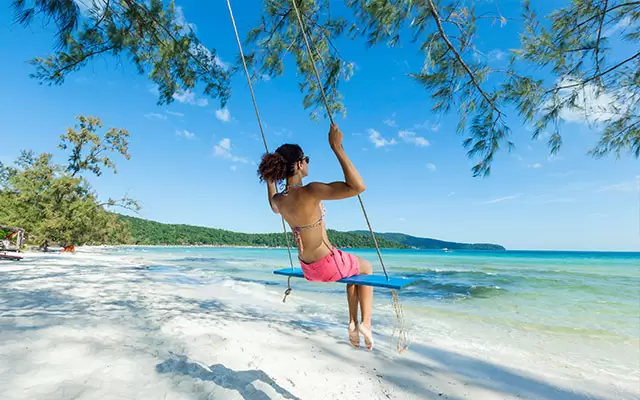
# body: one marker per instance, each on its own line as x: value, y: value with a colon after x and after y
x: 286, y: 293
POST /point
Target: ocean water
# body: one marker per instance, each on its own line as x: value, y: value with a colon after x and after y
x: 589, y: 294
x: 594, y: 294
x: 549, y: 311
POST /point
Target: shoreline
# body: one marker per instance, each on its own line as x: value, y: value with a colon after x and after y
x: 33, y: 249
x: 102, y: 325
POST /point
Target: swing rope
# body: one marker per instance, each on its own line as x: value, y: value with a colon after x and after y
x: 402, y: 343
x: 400, y: 326
x: 326, y: 104
x: 264, y: 140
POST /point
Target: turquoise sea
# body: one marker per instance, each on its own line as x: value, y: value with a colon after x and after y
x: 595, y: 294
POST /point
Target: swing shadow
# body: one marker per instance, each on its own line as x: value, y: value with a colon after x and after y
x: 240, y: 381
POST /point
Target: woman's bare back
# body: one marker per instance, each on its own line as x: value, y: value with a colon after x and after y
x: 305, y: 215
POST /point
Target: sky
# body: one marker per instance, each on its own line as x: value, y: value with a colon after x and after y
x: 195, y: 163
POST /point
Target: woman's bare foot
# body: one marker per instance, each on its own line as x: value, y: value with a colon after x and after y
x: 368, y: 336
x: 354, y: 335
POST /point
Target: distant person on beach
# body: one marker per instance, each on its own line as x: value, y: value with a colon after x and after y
x: 301, y: 206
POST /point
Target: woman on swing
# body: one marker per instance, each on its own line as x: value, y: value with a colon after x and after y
x: 300, y: 205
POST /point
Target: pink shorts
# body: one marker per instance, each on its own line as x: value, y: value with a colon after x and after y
x: 332, y: 267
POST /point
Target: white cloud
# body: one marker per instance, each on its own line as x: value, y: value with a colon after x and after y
x: 451, y: 194
x: 186, y: 134
x: 177, y: 114
x: 391, y: 122
x: 187, y: 96
x: 431, y: 166
x: 496, y: 55
x: 223, y: 149
x: 427, y: 126
x: 155, y: 115
x: 234, y: 167
x: 402, y: 219
x: 424, y: 125
x: 376, y: 138
x: 535, y: 166
x: 225, y: 144
x: 501, y: 199
x: 153, y: 89
x: 223, y: 115
x: 181, y: 21
x: 410, y: 137
x: 91, y: 7
x: 623, y: 24
x: 200, y: 49
x: 593, y: 106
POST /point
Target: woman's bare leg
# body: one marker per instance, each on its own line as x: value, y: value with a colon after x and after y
x: 365, y: 297
x: 352, y: 299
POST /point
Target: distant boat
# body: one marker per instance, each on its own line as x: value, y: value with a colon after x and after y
x: 446, y: 250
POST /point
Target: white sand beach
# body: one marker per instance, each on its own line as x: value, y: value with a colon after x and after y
x: 97, y: 325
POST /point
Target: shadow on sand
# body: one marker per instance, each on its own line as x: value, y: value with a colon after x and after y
x: 496, y: 378
x: 240, y: 381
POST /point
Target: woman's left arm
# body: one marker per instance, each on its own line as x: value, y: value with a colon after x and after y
x: 271, y: 192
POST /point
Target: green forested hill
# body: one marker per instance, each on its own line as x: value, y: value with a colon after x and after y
x: 427, y: 243
x: 147, y: 232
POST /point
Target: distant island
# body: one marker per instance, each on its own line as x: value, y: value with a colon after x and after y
x: 428, y: 243
x: 146, y: 232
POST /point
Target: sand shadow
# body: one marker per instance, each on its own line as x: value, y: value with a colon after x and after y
x: 429, y: 361
x: 240, y: 381
x: 500, y: 379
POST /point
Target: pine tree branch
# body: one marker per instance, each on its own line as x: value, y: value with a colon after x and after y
x: 472, y: 76
x: 164, y: 28
x: 597, y: 47
x: 277, y: 26
x: 126, y: 207
x: 603, y: 13
x: 621, y: 63
x: 322, y: 28
x: 104, y: 14
x: 82, y: 59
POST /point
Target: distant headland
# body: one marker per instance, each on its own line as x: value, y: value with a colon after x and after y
x: 146, y: 232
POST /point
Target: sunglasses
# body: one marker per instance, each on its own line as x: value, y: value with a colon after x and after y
x: 305, y: 158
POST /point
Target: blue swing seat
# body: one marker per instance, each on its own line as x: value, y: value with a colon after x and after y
x: 364, y: 280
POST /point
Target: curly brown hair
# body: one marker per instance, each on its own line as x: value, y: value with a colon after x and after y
x: 280, y: 165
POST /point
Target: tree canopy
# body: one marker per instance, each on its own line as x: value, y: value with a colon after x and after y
x: 55, y: 202
x: 565, y: 62
x: 154, y: 36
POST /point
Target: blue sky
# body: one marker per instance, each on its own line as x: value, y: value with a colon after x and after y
x: 194, y: 163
